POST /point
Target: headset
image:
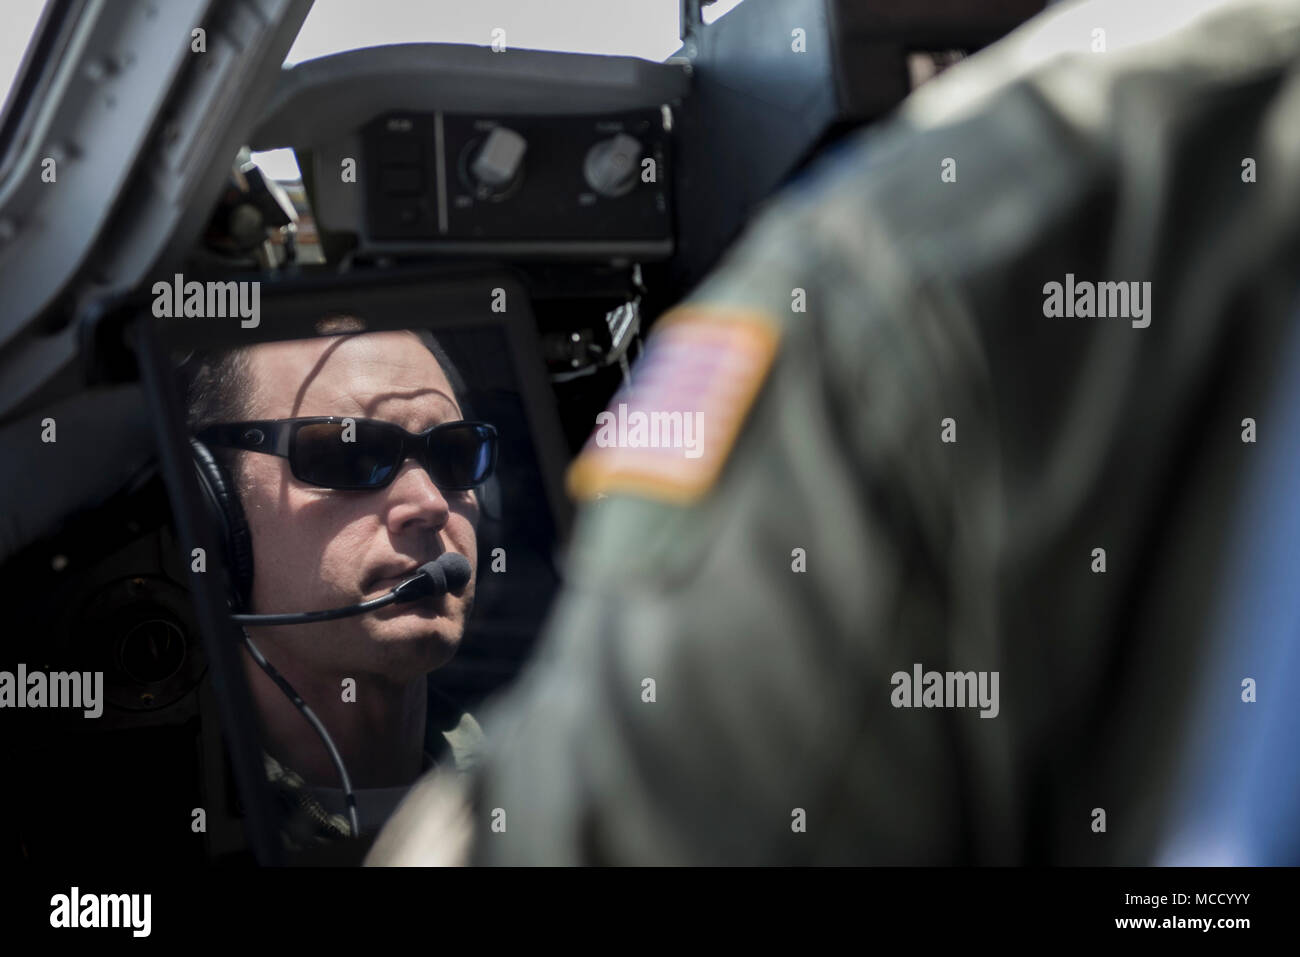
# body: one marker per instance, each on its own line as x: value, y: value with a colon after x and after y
x: 449, y: 572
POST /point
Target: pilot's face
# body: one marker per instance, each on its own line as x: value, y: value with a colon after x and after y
x: 319, y: 548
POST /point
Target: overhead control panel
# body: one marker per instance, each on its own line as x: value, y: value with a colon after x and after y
x: 445, y: 180
x: 447, y: 150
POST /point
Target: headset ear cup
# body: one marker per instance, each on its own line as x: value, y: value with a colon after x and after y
x: 222, y: 501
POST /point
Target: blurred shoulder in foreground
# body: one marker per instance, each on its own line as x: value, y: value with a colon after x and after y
x: 966, y: 405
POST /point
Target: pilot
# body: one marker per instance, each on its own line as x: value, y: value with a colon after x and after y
x: 337, y: 520
x: 911, y: 467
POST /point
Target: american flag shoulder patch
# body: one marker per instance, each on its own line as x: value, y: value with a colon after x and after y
x: 667, y: 434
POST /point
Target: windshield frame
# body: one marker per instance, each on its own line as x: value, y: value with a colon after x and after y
x: 31, y: 83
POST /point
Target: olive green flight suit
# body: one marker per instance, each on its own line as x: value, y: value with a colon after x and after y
x: 924, y: 479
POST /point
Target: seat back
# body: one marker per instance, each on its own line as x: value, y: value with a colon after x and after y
x: 1239, y: 798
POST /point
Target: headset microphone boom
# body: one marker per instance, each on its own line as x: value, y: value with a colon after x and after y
x: 449, y: 572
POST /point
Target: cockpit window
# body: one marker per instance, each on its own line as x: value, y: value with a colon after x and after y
x: 640, y: 28
x: 21, y: 18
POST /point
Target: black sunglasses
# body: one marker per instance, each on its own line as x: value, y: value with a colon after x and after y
x: 321, y: 451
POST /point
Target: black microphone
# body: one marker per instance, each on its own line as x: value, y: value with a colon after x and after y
x: 449, y: 572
